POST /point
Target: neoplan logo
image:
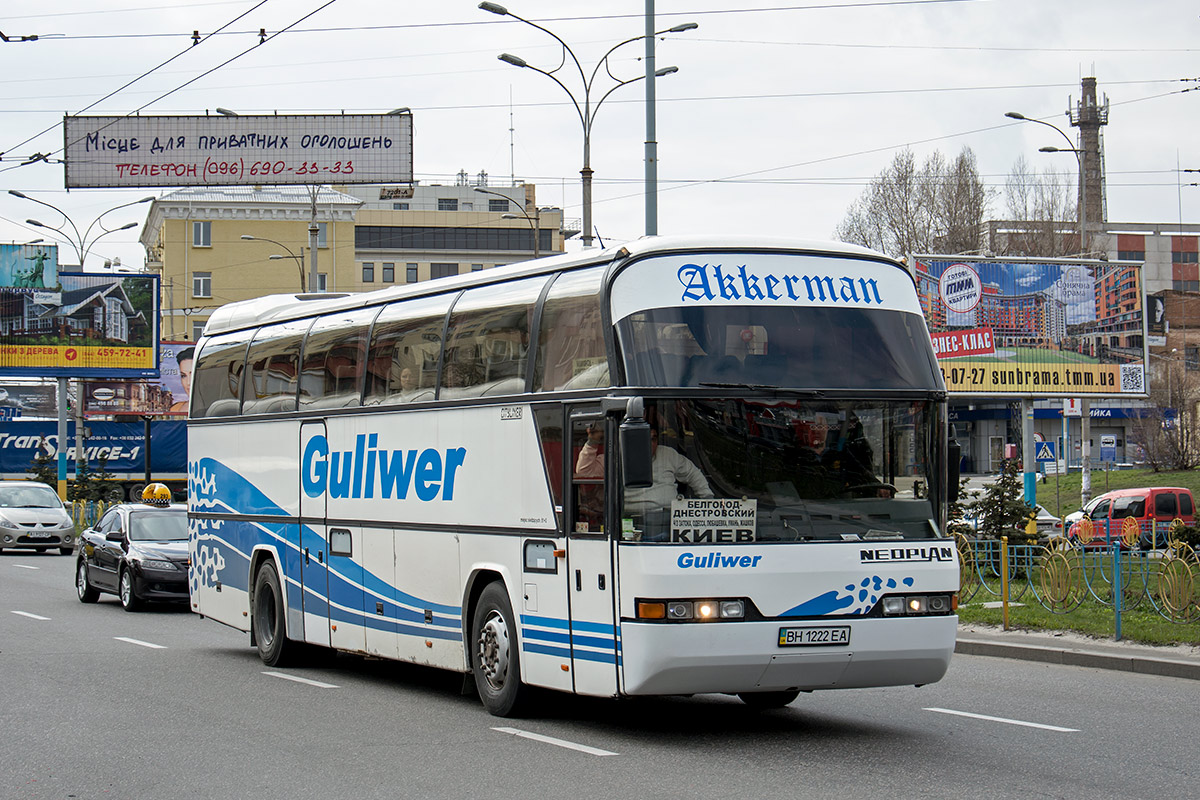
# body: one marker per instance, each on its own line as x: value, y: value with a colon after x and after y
x: 905, y: 554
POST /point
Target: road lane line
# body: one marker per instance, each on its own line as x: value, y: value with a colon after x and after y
x: 306, y: 681
x: 537, y: 737
x: 31, y: 616
x: 151, y: 645
x: 1005, y: 721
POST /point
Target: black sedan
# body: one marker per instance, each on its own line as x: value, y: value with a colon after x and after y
x: 137, y: 552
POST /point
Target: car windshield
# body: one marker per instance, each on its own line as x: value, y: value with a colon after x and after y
x: 158, y: 526
x: 32, y: 496
x: 786, y: 470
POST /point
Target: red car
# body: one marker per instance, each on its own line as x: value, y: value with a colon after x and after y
x: 1154, y: 508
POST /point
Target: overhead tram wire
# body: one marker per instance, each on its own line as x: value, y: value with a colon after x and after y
x: 203, y: 74
x: 143, y: 75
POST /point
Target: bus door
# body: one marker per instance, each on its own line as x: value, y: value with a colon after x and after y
x: 313, y: 549
x: 345, y: 588
x: 595, y: 649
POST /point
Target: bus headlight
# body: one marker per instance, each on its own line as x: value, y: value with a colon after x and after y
x: 919, y: 605
x: 691, y: 610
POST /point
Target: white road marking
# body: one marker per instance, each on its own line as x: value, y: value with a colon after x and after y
x: 306, y: 681
x: 25, y: 566
x: 151, y: 645
x: 1005, y: 721
x: 537, y: 737
x: 31, y: 616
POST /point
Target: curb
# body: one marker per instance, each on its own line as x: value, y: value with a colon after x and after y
x: 1137, y: 663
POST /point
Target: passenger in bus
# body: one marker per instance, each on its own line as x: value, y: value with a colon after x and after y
x: 669, y: 468
x: 590, y: 465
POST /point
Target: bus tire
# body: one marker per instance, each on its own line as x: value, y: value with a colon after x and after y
x: 494, y: 655
x: 270, y: 628
x: 763, y: 701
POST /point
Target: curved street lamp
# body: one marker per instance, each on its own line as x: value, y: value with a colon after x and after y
x: 1083, y: 248
x: 80, y: 242
x: 535, y: 222
x: 586, y: 111
x: 276, y: 257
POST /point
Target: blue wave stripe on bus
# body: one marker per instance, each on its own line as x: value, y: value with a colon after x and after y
x: 579, y: 625
x: 238, y: 494
x: 584, y: 655
x: 578, y: 641
x: 546, y: 650
x: 358, y: 619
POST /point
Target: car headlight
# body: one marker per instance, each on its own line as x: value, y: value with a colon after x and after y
x: 155, y: 563
x: 5, y: 522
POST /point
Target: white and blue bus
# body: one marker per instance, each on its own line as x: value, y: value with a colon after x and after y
x: 680, y: 466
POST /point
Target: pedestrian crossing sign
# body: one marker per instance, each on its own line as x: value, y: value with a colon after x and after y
x: 1045, y: 451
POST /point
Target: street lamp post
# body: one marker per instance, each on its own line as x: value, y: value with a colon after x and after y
x: 1085, y: 449
x: 586, y: 111
x: 535, y: 222
x: 79, y: 242
x: 299, y: 259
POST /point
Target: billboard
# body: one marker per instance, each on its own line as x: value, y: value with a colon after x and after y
x: 1035, y: 328
x: 91, y: 326
x: 166, y: 396
x: 28, y: 400
x: 151, y: 151
x: 29, y: 267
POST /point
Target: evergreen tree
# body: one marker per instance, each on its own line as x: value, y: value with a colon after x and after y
x: 1002, y: 511
x: 44, y: 467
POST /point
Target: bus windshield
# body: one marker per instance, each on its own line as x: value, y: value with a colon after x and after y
x: 802, y: 347
x: 739, y: 470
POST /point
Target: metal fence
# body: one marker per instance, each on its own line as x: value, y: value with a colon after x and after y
x: 85, y: 513
x: 1124, y: 572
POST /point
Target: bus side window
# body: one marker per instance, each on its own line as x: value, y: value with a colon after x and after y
x: 488, y: 347
x: 216, y: 377
x: 274, y: 365
x: 570, y: 349
x: 406, y: 343
x: 335, y: 360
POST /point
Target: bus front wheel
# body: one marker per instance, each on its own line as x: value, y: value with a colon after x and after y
x: 494, y: 656
x: 270, y: 629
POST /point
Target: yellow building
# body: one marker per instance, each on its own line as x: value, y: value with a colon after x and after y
x: 216, y: 245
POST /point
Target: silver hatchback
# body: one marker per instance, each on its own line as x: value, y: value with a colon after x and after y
x: 32, y: 516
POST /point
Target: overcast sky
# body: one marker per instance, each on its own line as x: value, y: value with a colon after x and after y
x: 777, y: 119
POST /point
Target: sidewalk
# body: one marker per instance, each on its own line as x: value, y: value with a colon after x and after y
x: 1179, y: 661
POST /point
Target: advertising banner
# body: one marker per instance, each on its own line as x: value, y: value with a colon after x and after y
x: 307, y: 149
x: 29, y: 268
x: 1035, y: 328
x: 93, y: 326
x: 122, y: 443
x: 167, y: 396
x: 32, y: 400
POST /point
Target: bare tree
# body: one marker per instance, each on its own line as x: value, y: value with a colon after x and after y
x: 1169, y: 442
x: 937, y: 207
x: 1042, y: 219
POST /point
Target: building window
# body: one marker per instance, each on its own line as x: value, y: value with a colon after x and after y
x: 1186, y: 286
x: 201, y: 284
x: 447, y: 204
x: 368, y: 272
x: 198, y: 329
x: 445, y: 237
x: 410, y: 273
x: 322, y: 234
x: 400, y: 206
x: 1131, y: 255
x: 1184, y: 258
x: 322, y: 282
x: 389, y: 273
x: 498, y: 206
x: 466, y: 206
x: 476, y: 267
x: 202, y: 235
x: 437, y: 270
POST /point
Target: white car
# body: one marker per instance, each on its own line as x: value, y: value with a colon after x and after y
x: 32, y: 516
x: 1048, y: 525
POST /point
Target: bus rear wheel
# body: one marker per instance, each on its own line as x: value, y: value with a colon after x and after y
x: 767, y: 700
x: 270, y: 628
x: 494, y: 655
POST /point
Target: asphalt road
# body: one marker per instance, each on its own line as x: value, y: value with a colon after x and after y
x: 99, y: 703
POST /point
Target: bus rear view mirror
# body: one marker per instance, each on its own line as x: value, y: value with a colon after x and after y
x: 635, y: 447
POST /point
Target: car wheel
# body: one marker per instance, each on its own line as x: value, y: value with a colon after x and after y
x: 494, y: 654
x: 766, y: 700
x: 270, y: 628
x: 83, y: 587
x: 66, y: 551
x: 129, y: 599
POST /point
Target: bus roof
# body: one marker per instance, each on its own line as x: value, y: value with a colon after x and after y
x: 279, y: 307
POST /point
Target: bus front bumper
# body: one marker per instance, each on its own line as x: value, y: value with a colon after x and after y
x: 660, y: 659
